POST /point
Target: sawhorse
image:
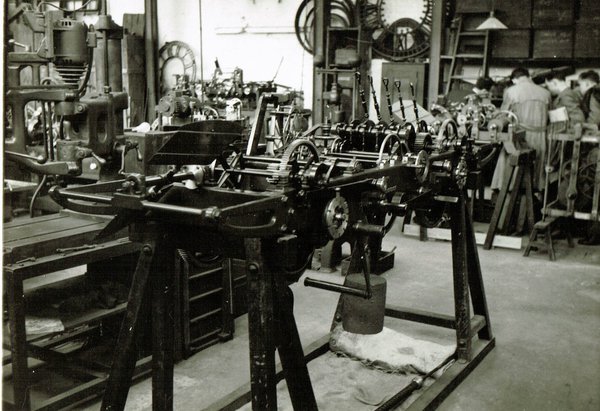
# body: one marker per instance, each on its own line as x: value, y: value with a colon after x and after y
x: 518, y: 181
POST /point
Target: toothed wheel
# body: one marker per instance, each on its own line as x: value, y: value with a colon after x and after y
x: 297, y: 152
x: 408, y: 134
x: 422, y: 141
x: 336, y: 216
x: 448, y: 134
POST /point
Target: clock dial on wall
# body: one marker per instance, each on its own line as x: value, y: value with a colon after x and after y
x: 401, y: 28
x: 169, y: 54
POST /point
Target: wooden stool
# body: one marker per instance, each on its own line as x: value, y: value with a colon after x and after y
x: 545, y: 227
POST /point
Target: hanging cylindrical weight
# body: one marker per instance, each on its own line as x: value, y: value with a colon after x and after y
x: 362, y: 316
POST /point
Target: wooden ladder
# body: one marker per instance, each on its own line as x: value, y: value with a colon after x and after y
x: 463, y: 39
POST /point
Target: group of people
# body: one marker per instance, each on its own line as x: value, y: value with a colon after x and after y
x: 532, y: 103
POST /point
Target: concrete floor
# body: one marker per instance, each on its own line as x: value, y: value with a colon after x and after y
x: 545, y: 317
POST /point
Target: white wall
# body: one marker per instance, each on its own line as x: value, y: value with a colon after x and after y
x: 251, y: 34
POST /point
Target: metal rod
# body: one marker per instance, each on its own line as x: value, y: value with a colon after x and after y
x: 98, y: 198
x: 262, y: 159
x: 45, y: 131
x: 325, y: 285
x: 415, y: 108
x: 50, y: 134
x: 247, y: 171
x: 388, y: 98
x: 375, y: 102
x: 201, y: 50
x: 398, y: 85
x: 363, y: 100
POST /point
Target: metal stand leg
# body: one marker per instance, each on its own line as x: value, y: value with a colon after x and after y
x: 18, y: 343
x: 260, y: 328
x: 290, y: 351
x: 119, y: 380
x: 476, y: 279
x: 272, y: 325
x: 458, y: 222
x: 162, y: 328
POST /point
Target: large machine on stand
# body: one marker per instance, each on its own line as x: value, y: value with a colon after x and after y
x: 273, y: 210
x: 55, y: 126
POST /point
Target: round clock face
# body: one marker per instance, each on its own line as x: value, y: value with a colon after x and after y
x: 175, y: 58
x: 401, y: 28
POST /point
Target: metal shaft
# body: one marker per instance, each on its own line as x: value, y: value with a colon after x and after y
x: 386, y: 82
x: 363, y: 99
x: 338, y: 288
x: 375, y: 103
x: 414, y: 100
x: 398, y: 85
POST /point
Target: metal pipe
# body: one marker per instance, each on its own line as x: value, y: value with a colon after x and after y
x: 207, y: 213
x: 246, y: 171
x: 45, y: 131
x: 414, y: 100
x: 98, y: 198
x: 386, y: 82
x: 50, y: 133
x: 398, y: 85
x: 262, y: 159
x: 326, y: 285
x: 361, y: 91
x: 366, y: 175
x: 201, y: 49
x: 375, y: 103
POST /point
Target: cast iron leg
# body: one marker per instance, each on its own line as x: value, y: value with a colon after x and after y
x: 119, y: 380
x: 18, y: 342
x: 476, y: 280
x: 260, y: 328
x: 290, y: 351
x: 162, y: 327
x: 460, y: 273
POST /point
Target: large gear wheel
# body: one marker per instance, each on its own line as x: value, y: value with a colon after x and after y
x: 336, y: 216
x: 407, y: 132
x: 447, y: 134
x: 299, y: 149
x: 289, y: 165
x: 423, y: 140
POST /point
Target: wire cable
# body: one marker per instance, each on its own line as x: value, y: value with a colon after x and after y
x: 83, y: 6
x: 36, y: 194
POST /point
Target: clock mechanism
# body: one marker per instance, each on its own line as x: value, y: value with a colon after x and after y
x: 400, y: 28
x: 175, y: 51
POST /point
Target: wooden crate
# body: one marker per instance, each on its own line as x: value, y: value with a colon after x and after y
x: 473, y: 6
x: 470, y: 22
x: 516, y: 14
x: 556, y: 43
x: 552, y: 13
x: 511, y: 44
x: 587, y: 40
x: 589, y: 9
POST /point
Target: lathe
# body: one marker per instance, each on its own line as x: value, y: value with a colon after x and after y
x: 273, y: 211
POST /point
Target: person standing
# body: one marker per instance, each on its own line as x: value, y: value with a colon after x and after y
x: 565, y: 96
x: 589, y: 86
x: 530, y: 103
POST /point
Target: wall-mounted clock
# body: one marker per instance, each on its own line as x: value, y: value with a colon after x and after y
x: 400, y: 28
x: 168, y: 55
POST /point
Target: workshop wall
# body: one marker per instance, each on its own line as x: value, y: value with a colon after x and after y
x: 250, y: 34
